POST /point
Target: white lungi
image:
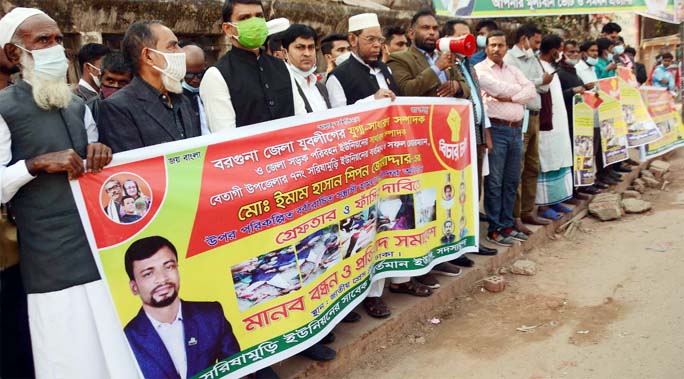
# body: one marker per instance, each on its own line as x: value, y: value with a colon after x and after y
x: 75, y: 333
x: 378, y: 286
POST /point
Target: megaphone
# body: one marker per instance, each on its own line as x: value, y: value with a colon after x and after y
x: 465, y: 45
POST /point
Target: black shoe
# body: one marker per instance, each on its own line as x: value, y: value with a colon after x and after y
x: 352, y: 317
x: 600, y: 185
x: 631, y: 162
x: 265, y: 373
x: 483, y: 217
x: 330, y: 338
x: 463, y: 261
x: 591, y: 190
x: 621, y: 168
x: 319, y: 352
x: 609, y: 180
x: 484, y: 250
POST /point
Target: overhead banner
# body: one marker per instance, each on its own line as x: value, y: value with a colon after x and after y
x: 277, y: 230
x: 671, y: 11
x: 583, y: 141
x: 527, y: 8
x: 661, y: 106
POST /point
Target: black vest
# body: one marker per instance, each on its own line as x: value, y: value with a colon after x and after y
x: 357, y: 81
x: 54, y: 250
x: 260, y: 89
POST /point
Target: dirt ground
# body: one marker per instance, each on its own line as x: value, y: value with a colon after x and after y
x: 607, y: 304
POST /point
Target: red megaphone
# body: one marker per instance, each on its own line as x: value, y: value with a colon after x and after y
x: 464, y: 45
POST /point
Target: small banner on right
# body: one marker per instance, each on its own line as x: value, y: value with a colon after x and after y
x: 661, y: 107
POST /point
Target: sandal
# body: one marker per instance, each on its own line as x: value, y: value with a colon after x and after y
x: 551, y: 215
x: 411, y: 288
x: 376, y: 307
x: 561, y: 208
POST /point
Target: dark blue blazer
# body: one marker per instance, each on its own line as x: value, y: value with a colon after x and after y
x: 208, y: 338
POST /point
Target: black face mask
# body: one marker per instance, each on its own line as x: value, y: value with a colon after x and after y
x: 10, y: 70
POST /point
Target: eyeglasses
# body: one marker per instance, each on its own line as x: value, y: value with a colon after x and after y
x: 196, y: 74
x: 110, y: 189
x: 374, y: 39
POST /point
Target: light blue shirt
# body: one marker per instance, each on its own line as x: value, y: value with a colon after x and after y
x: 661, y: 73
x: 479, y: 110
x: 431, y: 61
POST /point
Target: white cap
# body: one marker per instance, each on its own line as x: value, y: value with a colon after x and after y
x: 363, y: 21
x: 12, y: 20
x: 277, y: 25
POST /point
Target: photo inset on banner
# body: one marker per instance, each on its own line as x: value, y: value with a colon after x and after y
x: 396, y: 212
x: 630, y: 117
x: 584, y: 147
x: 426, y: 206
x: 608, y: 133
x: 171, y: 337
x: 258, y: 280
x: 317, y: 252
x: 666, y: 126
x: 357, y: 231
x: 126, y: 198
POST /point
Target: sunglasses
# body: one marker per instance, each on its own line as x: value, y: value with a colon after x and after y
x: 192, y: 75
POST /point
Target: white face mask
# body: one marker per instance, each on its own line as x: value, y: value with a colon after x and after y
x: 96, y: 79
x: 50, y: 63
x: 592, y: 61
x: 571, y: 62
x: 342, y: 58
x: 306, y: 73
x: 481, y: 41
x: 175, y: 65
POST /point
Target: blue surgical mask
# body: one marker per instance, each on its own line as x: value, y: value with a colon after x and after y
x: 481, y: 41
x: 609, y: 58
x: 50, y: 63
x: 304, y: 74
x: 591, y: 61
x: 189, y: 87
x: 619, y: 49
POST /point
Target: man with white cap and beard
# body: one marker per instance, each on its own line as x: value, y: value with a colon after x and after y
x: 348, y: 82
x: 151, y: 109
x: 45, y: 133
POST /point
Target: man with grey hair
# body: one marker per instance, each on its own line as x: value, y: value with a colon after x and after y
x: 45, y: 134
x: 151, y: 109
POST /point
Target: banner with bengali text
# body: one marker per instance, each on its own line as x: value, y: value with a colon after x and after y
x: 641, y: 129
x: 661, y: 107
x: 583, y: 140
x: 611, y: 122
x: 279, y: 228
x: 528, y: 8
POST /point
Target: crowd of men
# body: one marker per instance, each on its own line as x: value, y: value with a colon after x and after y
x: 157, y: 89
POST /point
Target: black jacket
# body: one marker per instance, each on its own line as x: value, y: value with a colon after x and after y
x: 136, y: 117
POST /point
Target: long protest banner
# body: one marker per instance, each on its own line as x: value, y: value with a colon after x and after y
x: 671, y: 11
x: 526, y: 8
x: 641, y: 129
x: 661, y: 107
x: 281, y: 227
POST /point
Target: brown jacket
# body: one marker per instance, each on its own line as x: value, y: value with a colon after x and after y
x: 414, y: 77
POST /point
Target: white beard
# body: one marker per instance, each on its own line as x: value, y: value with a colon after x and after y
x: 48, y: 94
x: 171, y: 85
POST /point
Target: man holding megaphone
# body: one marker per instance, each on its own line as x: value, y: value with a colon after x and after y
x: 432, y: 67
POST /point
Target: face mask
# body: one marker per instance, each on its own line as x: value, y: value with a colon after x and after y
x: 96, y: 79
x: 342, y: 58
x: 303, y: 73
x: 609, y: 58
x: 189, y: 87
x: 107, y: 91
x: 591, y: 61
x: 50, y: 63
x: 571, y: 62
x: 175, y: 65
x: 252, y: 32
x: 619, y: 49
x: 481, y: 41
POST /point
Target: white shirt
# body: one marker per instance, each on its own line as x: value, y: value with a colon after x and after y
x: 586, y: 72
x: 82, y: 82
x: 336, y: 92
x: 311, y: 92
x: 14, y: 177
x: 204, y: 128
x: 218, y: 106
x: 173, y: 337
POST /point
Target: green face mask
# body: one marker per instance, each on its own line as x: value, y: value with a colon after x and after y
x: 252, y: 33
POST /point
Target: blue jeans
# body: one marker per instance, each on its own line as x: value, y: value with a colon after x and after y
x: 501, y: 185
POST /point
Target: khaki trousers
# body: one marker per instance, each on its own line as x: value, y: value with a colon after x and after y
x: 527, y: 190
